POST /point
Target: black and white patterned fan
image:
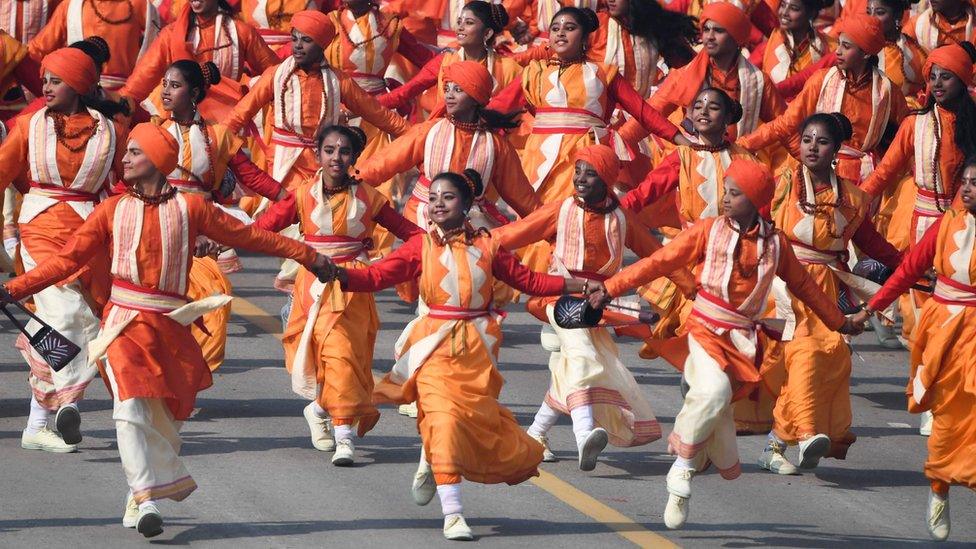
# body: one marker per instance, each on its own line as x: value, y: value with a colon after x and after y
x: 57, y: 350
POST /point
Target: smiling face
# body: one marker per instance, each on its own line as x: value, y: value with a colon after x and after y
x: 967, y: 192
x: 708, y: 114
x: 588, y: 184
x: 735, y: 203
x: 204, y: 8
x: 136, y: 166
x: 176, y: 95
x: 849, y: 56
x: 944, y: 85
x: 793, y: 16
x: 336, y: 155
x: 305, y: 51
x: 890, y: 21
x: 716, y: 40
x: 566, y: 36
x: 58, y: 95
x: 471, y: 31
x: 457, y: 102
x: 446, y: 207
x: 817, y: 148
x: 618, y: 8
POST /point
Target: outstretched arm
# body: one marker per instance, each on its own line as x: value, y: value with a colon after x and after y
x: 221, y: 227
x: 400, y: 266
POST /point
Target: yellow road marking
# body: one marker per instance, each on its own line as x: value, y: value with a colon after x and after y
x: 616, y: 521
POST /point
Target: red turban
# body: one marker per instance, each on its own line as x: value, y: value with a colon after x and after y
x: 730, y: 18
x: 157, y: 144
x: 315, y: 24
x: 754, y: 179
x: 473, y: 78
x: 603, y: 159
x: 952, y: 58
x: 865, y: 31
x: 73, y: 67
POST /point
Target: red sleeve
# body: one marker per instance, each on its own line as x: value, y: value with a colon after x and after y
x: 415, y: 52
x: 400, y: 266
x: 764, y: 19
x: 757, y: 54
x: 217, y: 225
x: 254, y: 178
x: 631, y: 101
x: 400, y: 226
x: 912, y: 267
x: 506, y: 267
x: 511, y: 98
x: 869, y: 241
x: 27, y: 73
x: 280, y: 215
x: 659, y: 182
x: 423, y: 80
x: 791, y: 86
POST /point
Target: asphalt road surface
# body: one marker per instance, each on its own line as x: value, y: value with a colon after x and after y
x: 261, y: 484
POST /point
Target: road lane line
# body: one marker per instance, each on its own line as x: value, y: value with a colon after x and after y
x: 586, y: 504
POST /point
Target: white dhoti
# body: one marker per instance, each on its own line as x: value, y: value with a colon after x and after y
x: 586, y: 371
x: 704, y: 429
x: 149, y: 446
x: 65, y: 309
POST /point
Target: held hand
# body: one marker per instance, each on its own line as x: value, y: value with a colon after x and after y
x: 323, y: 268
x: 860, y: 317
x: 599, y: 298
x: 849, y: 327
x: 206, y: 247
x: 595, y: 286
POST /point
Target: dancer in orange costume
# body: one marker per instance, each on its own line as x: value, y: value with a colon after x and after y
x: 330, y: 335
x: 152, y: 366
x: 737, y: 256
x: 942, y: 378
x: 272, y: 19
x: 446, y: 356
x: 820, y: 215
x: 795, y: 44
x: 128, y: 26
x: 854, y: 87
x: 66, y: 151
x: 943, y: 23
x: 18, y: 69
x: 589, y: 381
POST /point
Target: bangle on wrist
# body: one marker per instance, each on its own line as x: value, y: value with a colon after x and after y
x: 586, y: 285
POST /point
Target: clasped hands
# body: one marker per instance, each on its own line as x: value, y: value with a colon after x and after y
x: 324, y: 269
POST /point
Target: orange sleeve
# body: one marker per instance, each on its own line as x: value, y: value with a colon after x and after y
x: 785, y: 126
x: 663, y: 99
x: 150, y: 69
x: 221, y: 227
x: 366, y: 106
x: 403, y: 153
x: 54, y: 35
x: 686, y: 249
x: 773, y: 104
x: 805, y: 288
x: 899, y: 106
x: 509, y: 180
x: 895, y: 162
x: 260, y: 96
x: 258, y: 56
x: 644, y: 244
x: 13, y: 155
x: 538, y: 225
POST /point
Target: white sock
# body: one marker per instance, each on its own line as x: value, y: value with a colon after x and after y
x: 343, y: 432
x: 582, y: 422
x: 319, y: 411
x: 423, y: 457
x: 545, y: 418
x: 450, y: 496
x: 145, y: 504
x: 38, y: 419
x: 683, y: 463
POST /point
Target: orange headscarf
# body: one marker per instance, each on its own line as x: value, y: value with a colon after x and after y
x: 865, y: 31
x: 730, y: 18
x: 316, y: 25
x: 754, y: 179
x: 72, y: 66
x: 157, y: 144
x: 473, y: 78
x: 952, y: 58
x: 603, y: 159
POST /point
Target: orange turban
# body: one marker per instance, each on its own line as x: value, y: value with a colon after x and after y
x: 730, y: 18
x: 865, y: 31
x: 473, y: 78
x: 315, y: 24
x: 73, y: 67
x: 157, y: 144
x: 754, y: 179
x: 952, y: 58
x: 603, y: 159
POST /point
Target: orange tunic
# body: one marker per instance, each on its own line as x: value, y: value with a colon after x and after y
x: 942, y: 371
x: 154, y: 356
x: 781, y: 58
x: 446, y: 357
x: 902, y: 62
x: 931, y: 29
x: 272, y: 18
x: 240, y: 51
x: 127, y: 41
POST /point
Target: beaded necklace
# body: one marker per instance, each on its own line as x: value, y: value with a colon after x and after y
x: 607, y: 205
x: 63, y: 136
x: 821, y: 209
x: 153, y: 200
x: 466, y: 126
x: 100, y: 15
x: 737, y: 251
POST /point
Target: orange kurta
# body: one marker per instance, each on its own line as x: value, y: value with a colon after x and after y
x: 782, y: 57
x: 154, y: 356
x: 931, y: 29
x: 272, y: 18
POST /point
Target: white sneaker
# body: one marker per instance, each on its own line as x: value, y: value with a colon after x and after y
x: 423, y: 487
x: 409, y: 410
x: 938, y: 517
x: 679, y: 481
x: 456, y: 528
x: 321, y: 429
x: 150, y: 522
x: 812, y: 449
x: 676, y: 512
x: 130, y: 517
x: 68, y: 423
x: 593, y: 444
x: 775, y: 461
x: 46, y: 440
x: 925, y: 424
x: 547, y: 455
x: 344, y: 453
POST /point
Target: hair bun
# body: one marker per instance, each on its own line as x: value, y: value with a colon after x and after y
x: 102, y: 46
x: 360, y: 134
x: 473, y: 177
x: 847, y: 129
x: 211, y: 74
x: 591, y: 21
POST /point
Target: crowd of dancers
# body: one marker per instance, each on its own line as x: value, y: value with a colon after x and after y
x: 785, y: 171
